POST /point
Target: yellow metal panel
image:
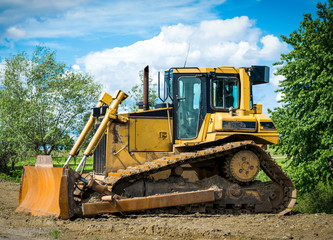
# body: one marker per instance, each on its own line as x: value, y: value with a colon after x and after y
x: 152, y: 134
x: 132, y: 133
x: 205, y: 126
x: 211, y: 124
x: 192, y: 70
x: 121, y: 149
x: 245, y: 90
x: 105, y: 98
x: 154, y: 110
x: 211, y: 136
x: 263, y: 118
x: 221, y: 69
x: 273, y: 138
x: 117, y: 154
x: 126, y: 159
x: 225, y: 69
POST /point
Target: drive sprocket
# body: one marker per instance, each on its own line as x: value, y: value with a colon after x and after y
x: 242, y: 167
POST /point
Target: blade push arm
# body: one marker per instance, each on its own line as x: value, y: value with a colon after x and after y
x: 111, y: 114
x: 104, y: 100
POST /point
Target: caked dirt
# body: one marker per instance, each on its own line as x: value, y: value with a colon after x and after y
x: 195, y: 226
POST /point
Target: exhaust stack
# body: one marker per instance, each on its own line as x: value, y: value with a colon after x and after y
x: 146, y: 89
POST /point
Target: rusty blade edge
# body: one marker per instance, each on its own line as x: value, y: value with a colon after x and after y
x: 151, y: 202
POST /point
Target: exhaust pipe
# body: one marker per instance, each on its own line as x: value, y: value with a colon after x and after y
x: 146, y: 89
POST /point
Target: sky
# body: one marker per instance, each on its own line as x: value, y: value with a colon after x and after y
x: 113, y: 40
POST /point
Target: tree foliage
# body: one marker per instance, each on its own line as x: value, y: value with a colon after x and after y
x: 305, y: 119
x: 10, y: 152
x: 136, y: 93
x: 42, y: 103
x: 319, y: 199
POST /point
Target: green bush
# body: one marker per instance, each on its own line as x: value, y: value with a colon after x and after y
x: 16, y: 176
x: 319, y: 200
x: 262, y: 176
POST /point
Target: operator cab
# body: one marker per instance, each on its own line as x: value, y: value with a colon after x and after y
x: 194, y: 92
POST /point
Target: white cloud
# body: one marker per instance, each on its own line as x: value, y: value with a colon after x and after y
x: 234, y: 42
x: 272, y: 47
x: 276, y: 79
x: 15, y: 33
x: 2, y: 72
x: 279, y: 96
x: 76, y: 67
x: 2, y: 66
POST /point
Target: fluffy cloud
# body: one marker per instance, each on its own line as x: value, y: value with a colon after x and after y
x: 2, y: 66
x: 15, y: 33
x: 76, y: 67
x: 234, y: 42
x: 279, y: 96
x: 272, y: 47
x: 276, y: 79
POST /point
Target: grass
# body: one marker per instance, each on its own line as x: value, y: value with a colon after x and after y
x: 279, y: 158
x: 57, y: 162
x: 55, y: 234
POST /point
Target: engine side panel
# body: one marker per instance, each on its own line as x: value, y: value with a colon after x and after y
x: 140, y: 139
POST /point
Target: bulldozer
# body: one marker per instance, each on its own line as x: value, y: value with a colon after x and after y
x: 199, y: 150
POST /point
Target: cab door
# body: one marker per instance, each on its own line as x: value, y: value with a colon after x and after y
x: 188, y: 107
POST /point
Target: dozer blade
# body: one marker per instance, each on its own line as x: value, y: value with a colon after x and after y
x: 47, y: 191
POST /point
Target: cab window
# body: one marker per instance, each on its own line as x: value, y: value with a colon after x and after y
x: 189, y: 99
x: 225, y: 93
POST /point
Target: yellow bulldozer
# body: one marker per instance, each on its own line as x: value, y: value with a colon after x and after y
x: 199, y: 150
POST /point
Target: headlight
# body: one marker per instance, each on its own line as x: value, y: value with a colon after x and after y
x: 267, y: 126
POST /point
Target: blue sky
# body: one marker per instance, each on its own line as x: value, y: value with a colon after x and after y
x: 113, y: 40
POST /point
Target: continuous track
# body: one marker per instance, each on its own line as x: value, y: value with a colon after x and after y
x: 123, y: 178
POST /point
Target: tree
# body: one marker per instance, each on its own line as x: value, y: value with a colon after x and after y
x: 136, y: 93
x: 10, y: 152
x: 305, y: 119
x: 42, y: 102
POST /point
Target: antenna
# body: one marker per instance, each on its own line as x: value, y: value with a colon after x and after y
x: 189, y: 45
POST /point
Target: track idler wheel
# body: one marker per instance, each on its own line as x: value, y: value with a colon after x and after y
x: 242, y: 167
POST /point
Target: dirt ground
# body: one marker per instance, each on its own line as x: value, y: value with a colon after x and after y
x: 195, y: 226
